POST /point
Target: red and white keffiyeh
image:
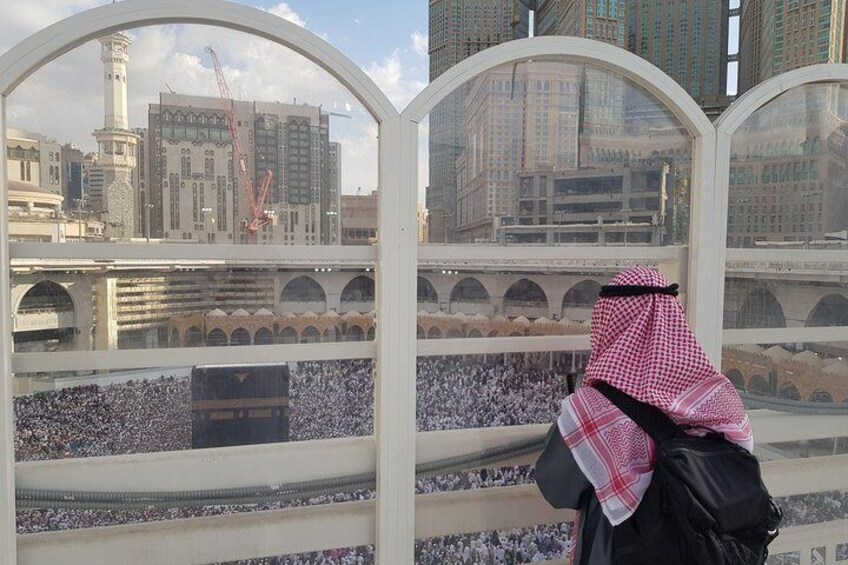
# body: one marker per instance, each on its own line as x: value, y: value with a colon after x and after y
x: 643, y: 346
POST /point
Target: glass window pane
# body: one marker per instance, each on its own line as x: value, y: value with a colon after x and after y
x: 796, y: 161
x: 165, y: 410
x: 303, y: 155
x: 594, y: 161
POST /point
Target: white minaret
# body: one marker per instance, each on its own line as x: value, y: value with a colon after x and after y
x: 116, y: 143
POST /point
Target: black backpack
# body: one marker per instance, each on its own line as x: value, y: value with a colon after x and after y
x: 706, y: 504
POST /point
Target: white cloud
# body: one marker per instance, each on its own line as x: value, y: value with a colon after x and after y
x: 284, y: 11
x: 391, y: 76
x: 22, y: 17
x: 420, y: 43
x: 64, y: 98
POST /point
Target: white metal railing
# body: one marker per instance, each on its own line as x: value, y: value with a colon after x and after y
x: 396, y: 518
x: 308, y: 460
x: 293, y: 530
x: 347, y: 524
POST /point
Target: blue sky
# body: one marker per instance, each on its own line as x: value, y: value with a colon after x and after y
x: 366, y: 30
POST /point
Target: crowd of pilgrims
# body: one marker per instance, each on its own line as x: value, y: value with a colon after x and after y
x: 330, y: 400
x: 519, y: 545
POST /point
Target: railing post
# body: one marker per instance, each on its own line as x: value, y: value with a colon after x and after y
x: 705, y: 292
x: 7, y: 423
x: 397, y: 264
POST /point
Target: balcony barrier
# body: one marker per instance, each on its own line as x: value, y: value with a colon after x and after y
x: 396, y: 518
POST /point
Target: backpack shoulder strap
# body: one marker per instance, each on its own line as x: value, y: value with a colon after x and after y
x: 651, y: 419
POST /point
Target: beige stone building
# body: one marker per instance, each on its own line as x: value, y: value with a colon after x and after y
x: 198, y: 197
x: 788, y: 165
x: 36, y: 216
x: 359, y: 219
x: 34, y: 158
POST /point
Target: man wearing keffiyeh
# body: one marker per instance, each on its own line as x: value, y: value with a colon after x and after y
x: 597, y: 460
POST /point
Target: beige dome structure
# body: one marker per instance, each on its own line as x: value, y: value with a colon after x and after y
x: 839, y: 369
x: 751, y: 348
x: 808, y: 358
x: 777, y: 353
x: 36, y: 215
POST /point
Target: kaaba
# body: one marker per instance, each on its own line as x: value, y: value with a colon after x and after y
x: 239, y: 405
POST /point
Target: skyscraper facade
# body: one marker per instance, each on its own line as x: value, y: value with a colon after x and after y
x: 522, y: 120
x: 72, y: 159
x: 777, y: 36
x: 459, y: 29
x: 141, y: 190
x: 689, y: 41
x: 787, y: 169
x: 601, y: 20
x: 331, y: 226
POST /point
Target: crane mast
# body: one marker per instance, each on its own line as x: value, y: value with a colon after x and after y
x: 258, y: 217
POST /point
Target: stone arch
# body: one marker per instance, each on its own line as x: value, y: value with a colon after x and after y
x: 240, y: 336
x: 310, y: 334
x: 428, y: 297
x: 735, y: 377
x: 288, y: 335
x: 831, y: 310
x: 759, y: 385
x: 46, y: 296
x: 421, y: 333
x: 355, y: 333
x: 358, y: 294
x: 493, y: 333
x: 434, y: 333
x: 525, y: 298
x: 822, y: 396
x: 217, y: 338
x: 303, y: 294
x: 371, y: 334
x: 174, y: 338
x: 789, y: 391
x: 475, y: 333
x: 469, y: 296
x: 194, y: 337
x: 578, y: 302
x: 760, y: 309
x: 263, y: 336
x: 331, y: 334
x: 582, y: 295
x: 454, y: 333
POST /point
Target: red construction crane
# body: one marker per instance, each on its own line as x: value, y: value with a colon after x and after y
x: 258, y: 216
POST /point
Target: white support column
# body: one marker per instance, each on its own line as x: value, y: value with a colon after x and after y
x: 706, y: 249
x: 806, y: 556
x: 7, y: 424
x: 396, y: 348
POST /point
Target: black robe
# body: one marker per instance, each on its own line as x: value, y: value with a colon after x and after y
x: 564, y: 485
